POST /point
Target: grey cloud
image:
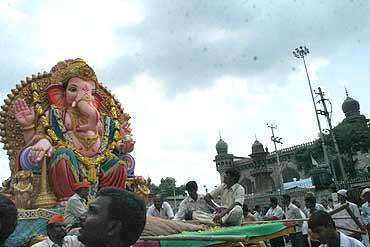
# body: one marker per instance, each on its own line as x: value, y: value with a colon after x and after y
x: 172, y: 48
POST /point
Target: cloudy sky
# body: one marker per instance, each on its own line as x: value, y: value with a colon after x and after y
x: 187, y: 70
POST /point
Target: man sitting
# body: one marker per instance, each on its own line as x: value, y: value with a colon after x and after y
x: 232, y: 198
x: 115, y: 219
x: 57, y: 234
x: 159, y: 208
x: 193, y: 202
x: 8, y: 218
x: 323, y: 229
x: 76, y: 204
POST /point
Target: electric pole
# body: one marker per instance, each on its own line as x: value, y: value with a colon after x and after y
x: 275, y: 140
x: 328, y: 118
x: 301, y: 52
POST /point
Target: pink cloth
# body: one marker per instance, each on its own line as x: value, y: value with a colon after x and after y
x: 147, y: 243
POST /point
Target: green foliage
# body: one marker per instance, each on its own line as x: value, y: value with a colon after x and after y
x: 303, y: 157
x: 352, y: 135
x: 167, y: 187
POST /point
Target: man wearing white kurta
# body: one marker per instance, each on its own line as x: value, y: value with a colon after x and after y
x: 232, y: 199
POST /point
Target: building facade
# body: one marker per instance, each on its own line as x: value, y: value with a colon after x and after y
x: 260, y: 173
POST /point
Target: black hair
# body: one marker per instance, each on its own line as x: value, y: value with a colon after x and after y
x: 191, y: 185
x: 129, y: 209
x: 234, y: 174
x: 310, y: 199
x: 257, y: 207
x: 286, y: 197
x: 274, y: 200
x: 245, y: 208
x: 330, y: 200
x: 8, y: 218
x: 320, y: 218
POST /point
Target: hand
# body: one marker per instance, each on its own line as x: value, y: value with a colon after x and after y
x: 127, y: 146
x: 25, y: 115
x: 39, y: 150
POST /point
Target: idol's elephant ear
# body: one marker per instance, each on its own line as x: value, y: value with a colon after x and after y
x: 56, y: 95
x: 98, y: 101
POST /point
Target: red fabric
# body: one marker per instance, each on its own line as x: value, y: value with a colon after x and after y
x: 116, y: 177
x: 83, y: 184
x: 57, y: 218
x: 147, y: 243
x: 62, y: 179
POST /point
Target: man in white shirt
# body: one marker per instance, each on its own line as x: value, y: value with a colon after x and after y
x: 275, y: 212
x: 232, y: 198
x: 311, y: 207
x: 291, y: 211
x: 57, y: 234
x: 349, y: 223
x: 322, y: 228
x: 160, y: 208
x: 193, y: 202
x: 76, y: 204
x: 365, y: 195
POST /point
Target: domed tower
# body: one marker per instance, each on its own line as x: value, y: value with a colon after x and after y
x: 223, y: 159
x: 258, y: 152
x: 221, y: 147
x: 261, y: 173
x: 351, y: 107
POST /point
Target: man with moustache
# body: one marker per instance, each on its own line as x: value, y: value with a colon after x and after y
x: 115, y: 219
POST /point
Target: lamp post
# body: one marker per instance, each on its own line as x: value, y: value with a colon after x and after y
x: 301, y: 52
x: 275, y: 140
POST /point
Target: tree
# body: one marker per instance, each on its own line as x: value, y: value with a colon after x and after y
x: 167, y: 187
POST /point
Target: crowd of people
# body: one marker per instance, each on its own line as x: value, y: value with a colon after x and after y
x: 225, y: 205
x: 117, y: 217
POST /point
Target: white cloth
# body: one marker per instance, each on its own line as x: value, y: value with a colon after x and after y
x: 318, y: 207
x: 74, y: 209
x: 165, y: 212
x: 365, y: 213
x: 258, y: 216
x: 69, y: 241
x: 293, y: 212
x: 229, y: 195
x: 276, y: 212
x: 349, y: 223
x: 189, y: 205
x: 346, y: 241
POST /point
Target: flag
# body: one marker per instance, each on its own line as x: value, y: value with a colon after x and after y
x: 314, y: 162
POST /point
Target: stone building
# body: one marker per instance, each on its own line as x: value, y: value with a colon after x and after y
x: 260, y: 173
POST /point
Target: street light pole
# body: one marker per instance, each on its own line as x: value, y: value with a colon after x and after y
x: 336, y: 147
x: 275, y: 140
x: 301, y: 52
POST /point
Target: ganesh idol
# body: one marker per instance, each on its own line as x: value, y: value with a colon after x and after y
x: 77, y: 128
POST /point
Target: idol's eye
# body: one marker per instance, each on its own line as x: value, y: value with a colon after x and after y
x: 72, y: 89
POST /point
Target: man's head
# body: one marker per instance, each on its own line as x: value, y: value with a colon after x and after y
x: 116, y: 217
x: 324, y: 202
x: 245, y: 209
x: 158, y: 201
x: 310, y: 201
x: 231, y: 177
x: 365, y: 194
x: 56, y: 228
x: 192, y: 189
x: 82, y: 189
x: 297, y: 203
x: 257, y: 208
x: 322, y: 227
x: 8, y: 218
x: 342, y: 196
x: 273, y: 202
x: 286, y: 199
